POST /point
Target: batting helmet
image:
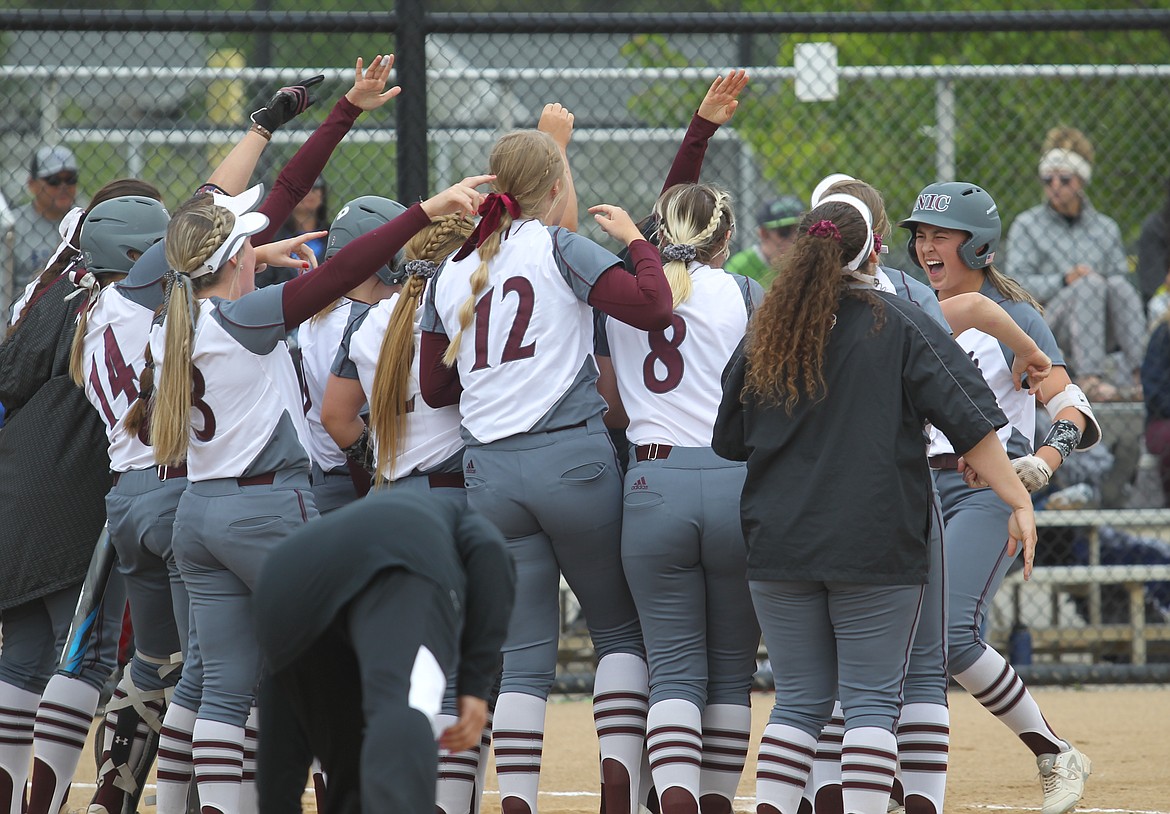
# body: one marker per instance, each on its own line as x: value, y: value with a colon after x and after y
x: 116, y: 227
x: 363, y: 215
x: 962, y: 206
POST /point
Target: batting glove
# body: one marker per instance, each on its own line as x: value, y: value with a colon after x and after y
x: 1033, y: 472
x: 287, y: 103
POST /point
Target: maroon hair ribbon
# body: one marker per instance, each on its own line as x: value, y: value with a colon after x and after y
x: 491, y: 211
x: 825, y: 228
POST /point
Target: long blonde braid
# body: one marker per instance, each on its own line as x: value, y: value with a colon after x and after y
x: 697, y: 215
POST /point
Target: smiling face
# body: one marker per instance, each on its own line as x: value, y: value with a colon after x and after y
x: 938, y: 253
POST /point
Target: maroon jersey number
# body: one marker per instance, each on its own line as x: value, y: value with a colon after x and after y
x: 667, y: 352
x: 198, y: 391
x: 121, y: 376
x: 514, y: 347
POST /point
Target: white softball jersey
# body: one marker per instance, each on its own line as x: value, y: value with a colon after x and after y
x: 116, y: 334
x: 669, y: 380
x: 318, y: 340
x: 244, y: 395
x: 432, y: 435
x: 530, y: 337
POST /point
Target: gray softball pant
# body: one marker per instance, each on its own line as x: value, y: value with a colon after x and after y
x: 825, y: 636
x: 686, y: 563
x: 223, y: 533
x: 556, y: 498
x: 926, y: 681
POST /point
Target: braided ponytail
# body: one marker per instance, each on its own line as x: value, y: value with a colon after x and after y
x: 696, y: 217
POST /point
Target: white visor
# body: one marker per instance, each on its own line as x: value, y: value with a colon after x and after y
x: 247, y: 223
x: 863, y: 210
x: 823, y: 186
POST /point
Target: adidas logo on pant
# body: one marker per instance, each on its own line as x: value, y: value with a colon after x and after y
x: 640, y: 483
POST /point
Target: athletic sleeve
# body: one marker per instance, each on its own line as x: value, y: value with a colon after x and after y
x: 491, y: 591
x: 688, y: 161
x: 297, y: 177
x: 941, y: 380
x: 438, y: 384
x: 579, y: 260
x: 641, y: 299
x: 729, y: 439
x: 355, y: 263
x: 343, y: 366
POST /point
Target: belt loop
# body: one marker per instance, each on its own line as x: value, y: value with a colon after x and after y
x: 652, y: 452
x: 162, y: 471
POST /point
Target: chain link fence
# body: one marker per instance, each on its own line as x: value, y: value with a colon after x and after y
x: 899, y: 99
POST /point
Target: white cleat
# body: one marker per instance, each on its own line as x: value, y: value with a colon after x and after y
x: 1063, y: 778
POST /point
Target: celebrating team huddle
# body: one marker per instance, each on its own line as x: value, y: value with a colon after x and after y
x: 841, y: 464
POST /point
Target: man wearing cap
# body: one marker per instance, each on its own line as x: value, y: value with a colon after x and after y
x: 1071, y: 258
x: 52, y: 183
x: 777, y: 227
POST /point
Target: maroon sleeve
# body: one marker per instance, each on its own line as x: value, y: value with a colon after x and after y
x: 642, y: 299
x: 297, y: 177
x: 688, y: 161
x: 438, y: 384
x: 306, y: 295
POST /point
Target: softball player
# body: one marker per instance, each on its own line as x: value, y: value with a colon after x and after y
x: 319, y: 338
x: 924, y: 723
x: 413, y: 445
x: 820, y: 595
x: 955, y: 232
x: 227, y: 401
x: 682, y: 544
x: 541, y: 467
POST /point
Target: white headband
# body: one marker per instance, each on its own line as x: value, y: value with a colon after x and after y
x: 823, y: 186
x: 866, y: 248
x: 1060, y: 159
x: 247, y: 223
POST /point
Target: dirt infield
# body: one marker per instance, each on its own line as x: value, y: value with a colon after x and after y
x: 1123, y: 730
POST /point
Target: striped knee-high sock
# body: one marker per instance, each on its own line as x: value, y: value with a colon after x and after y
x: 782, y: 769
x: 924, y: 735
x: 726, y: 736
x: 823, y: 790
x: 461, y: 774
x: 249, y: 802
x: 18, y: 711
x: 174, y: 760
x: 868, y: 757
x: 674, y: 741
x: 519, y: 739
x: 995, y: 685
x: 619, y: 714
x: 217, y: 750
x: 64, y: 717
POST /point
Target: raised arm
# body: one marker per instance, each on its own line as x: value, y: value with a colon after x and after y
x: 642, y: 299
x: 716, y: 110
x: 557, y: 121
x: 973, y: 310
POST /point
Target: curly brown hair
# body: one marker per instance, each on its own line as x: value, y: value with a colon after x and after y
x: 788, y: 333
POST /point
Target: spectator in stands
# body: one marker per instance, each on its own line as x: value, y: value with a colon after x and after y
x: 1153, y: 263
x: 1070, y: 257
x: 52, y: 185
x: 310, y: 215
x: 1156, y: 390
x: 776, y: 228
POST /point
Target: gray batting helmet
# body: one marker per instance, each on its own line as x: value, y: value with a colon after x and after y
x: 116, y: 227
x: 962, y: 206
x: 363, y: 215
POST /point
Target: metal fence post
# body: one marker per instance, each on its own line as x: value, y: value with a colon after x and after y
x: 411, y: 66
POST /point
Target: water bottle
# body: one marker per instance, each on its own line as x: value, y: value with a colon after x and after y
x: 1020, y: 645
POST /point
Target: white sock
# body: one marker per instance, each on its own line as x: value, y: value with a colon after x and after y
x: 174, y: 760
x: 823, y: 790
x: 726, y: 736
x: 868, y: 757
x: 461, y: 774
x: 519, y: 739
x: 995, y: 685
x: 217, y: 749
x: 249, y: 802
x: 674, y: 741
x: 64, y: 716
x: 782, y: 769
x: 18, y: 709
x: 924, y: 735
x: 619, y: 714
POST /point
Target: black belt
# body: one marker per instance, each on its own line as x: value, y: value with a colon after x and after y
x: 948, y: 461
x: 652, y: 452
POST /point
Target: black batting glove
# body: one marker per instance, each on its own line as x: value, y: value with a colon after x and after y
x: 287, y: 103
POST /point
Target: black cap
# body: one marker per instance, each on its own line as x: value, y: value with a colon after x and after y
x: 781, y: 212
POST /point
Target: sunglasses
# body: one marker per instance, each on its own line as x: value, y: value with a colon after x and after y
x: 1065, y: 180
x: 61, y: 180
